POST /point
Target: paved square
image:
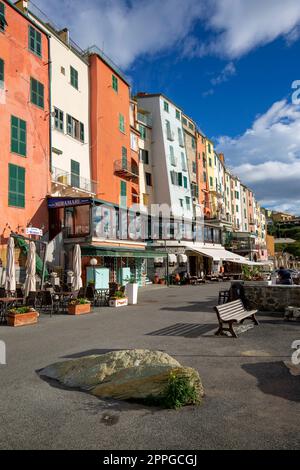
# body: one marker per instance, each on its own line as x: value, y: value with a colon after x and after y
x: 251, y: 400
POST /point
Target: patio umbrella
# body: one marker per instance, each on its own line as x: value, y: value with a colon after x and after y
x: 77, y: 281
x: 10, y: 282
x: 30, y: 282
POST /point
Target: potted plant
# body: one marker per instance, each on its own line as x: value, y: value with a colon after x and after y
x: 118, y: 299
x: 22, y: 316
x: 132, y: 290
x: 162, y: 281
x: 79, y: 306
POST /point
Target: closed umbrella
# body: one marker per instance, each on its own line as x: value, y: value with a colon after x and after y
x: 30, y: 282
x: 10, y: 282
x: 77, y: 281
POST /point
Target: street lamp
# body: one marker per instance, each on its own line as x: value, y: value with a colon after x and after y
x: 93, y: 263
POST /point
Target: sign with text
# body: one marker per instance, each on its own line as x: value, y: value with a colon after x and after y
x: 34, y: 231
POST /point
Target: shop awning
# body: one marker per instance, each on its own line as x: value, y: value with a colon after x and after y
x: 182, y: 259
x: 92, y: 250
x: 220, y: 254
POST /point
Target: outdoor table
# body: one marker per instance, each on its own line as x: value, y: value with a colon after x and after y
x: 5, y: 304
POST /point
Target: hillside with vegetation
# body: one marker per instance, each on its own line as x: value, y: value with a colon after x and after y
x: 287, y: 231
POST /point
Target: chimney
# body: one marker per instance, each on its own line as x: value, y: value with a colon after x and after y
x: 64, y: 35
x: 22, y: 5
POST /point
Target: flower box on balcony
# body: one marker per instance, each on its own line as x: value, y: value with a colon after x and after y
x: 22, y: 316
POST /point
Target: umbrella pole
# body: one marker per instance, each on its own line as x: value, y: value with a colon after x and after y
x: 44, y: 266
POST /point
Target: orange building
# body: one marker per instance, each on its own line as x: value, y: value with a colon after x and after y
x: 202, y: 175
x: 24, y: 124
x: 114, y: 163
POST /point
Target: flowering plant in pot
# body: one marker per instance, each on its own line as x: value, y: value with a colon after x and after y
x: 22, y: 316
x: 162, y: 280
x: 118, y: 299
x: 79, y: 306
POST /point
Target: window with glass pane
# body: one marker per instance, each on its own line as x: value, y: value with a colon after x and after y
x: 115, y: 83
x: 166, y: 106
x: 59, y: 119
x: 204, y: 177
x: 35, y: 41
x: 185, y: 182
x: 188, y: 203
x: 194, y: 166
x: 142, y: 130
x: 123, y: 190
x: 172, y: 156
x: 1, y: 73
x: 180, y: 137
x: 144, y: 156
x: 74, y: 77
x: 177, y: 114
x: 148, y: 179
x: 16, y: 186
x: 122, y: 123
x: 18, y: 136
x: 75, y: 174
x: 179, y: 179
x: 193, y: 143
x: 37, y: 93
x: 82, y: 132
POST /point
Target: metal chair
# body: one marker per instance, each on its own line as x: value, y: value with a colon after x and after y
x: 47, y: 302
x: 31, y: 300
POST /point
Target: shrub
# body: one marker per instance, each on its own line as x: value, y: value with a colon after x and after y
x: 21, y: 310
x: 80, y: 301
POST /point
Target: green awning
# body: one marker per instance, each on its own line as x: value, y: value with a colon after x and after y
x: 120, y: 252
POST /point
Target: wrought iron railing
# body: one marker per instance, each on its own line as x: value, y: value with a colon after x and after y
x: 73, y: 180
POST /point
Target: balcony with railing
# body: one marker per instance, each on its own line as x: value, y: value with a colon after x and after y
x: 70, y: 182
x: 145, y: 119
x: 126, y: 170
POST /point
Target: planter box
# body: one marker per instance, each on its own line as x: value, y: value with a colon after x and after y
x: 118, y: 302
x: 22, y: 319
x: 132, y: 293
x: 80, y: 309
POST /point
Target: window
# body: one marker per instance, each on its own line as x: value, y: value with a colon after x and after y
x: 1, y: 73
x: 194, y: 166
x: 237, y: 208
x: 148, y: 179
x: 183, y: 162
x: 133, y: 142
x: 124, y: 157
x: 143, y: 133
x: 18, y: 136
x: 123, y: 191
x: 172, y: 156
x: 210, y: 162
x: 204, y: 177
x: 211, y: 181
x: 75, y: 128
x: 16, y: 186
x: 166, y: 106
x: 37, y: 93
x: 180, y: 137
x: 115, y: 83
x: 245, y: 213
x: 35, y: 41
x: 173, y: 175
x: 63, y: 70
x: 191, y: 126
x: 209, y: 148
x: 144, y: 156
x: 74, y: 77
x: 170, y: 135
x: 185, y: 182
x: 181, y: 203
x: 188, y: 203
x: 184, y: 121
x: 177, y: 114
x: 82, y: 132
x: 3, y: 22
x: 75, y: 174
x: 179, y: 179
x: 237, y: 195
x: 59, y: 119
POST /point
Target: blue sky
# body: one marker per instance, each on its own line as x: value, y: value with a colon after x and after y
x: 229, y: 64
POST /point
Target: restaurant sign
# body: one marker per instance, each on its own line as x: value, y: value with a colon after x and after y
x: 57, y: 202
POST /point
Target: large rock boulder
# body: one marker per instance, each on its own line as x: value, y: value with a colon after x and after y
x: 130, y: 374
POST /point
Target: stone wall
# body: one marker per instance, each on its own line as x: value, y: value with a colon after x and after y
x: 272, y: 298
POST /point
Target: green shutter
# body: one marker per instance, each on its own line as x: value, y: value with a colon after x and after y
x: 185, y: 182
x: 37, y: 93
x: 82, y: 132
x: 115, y: 83
x: 35, y: 41
x: 166, y: 106
x: 124, y: 158
x: 1, y: 73
x: 75, y: 174
x: 142, y: 130
x: 18, y: 136
x: 121, y: 123
x: 74, y: 77
x: 179, y: 176
x: 123, y: 188
x: 16, y: 186
x: 3, y: 22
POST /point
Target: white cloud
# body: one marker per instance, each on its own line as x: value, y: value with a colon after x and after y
x: 228, y: 71
x: 129, y: 29
x: 267, y: 156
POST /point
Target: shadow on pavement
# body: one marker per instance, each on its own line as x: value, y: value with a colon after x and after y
x: 275, y: 379
x: 187, y: 330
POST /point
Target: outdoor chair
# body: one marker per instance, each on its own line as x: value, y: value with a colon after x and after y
x: 31, y: 299
x: 47, y: 302
x: 90, y: 294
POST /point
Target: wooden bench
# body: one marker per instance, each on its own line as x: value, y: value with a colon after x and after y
x: 233, y: 312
